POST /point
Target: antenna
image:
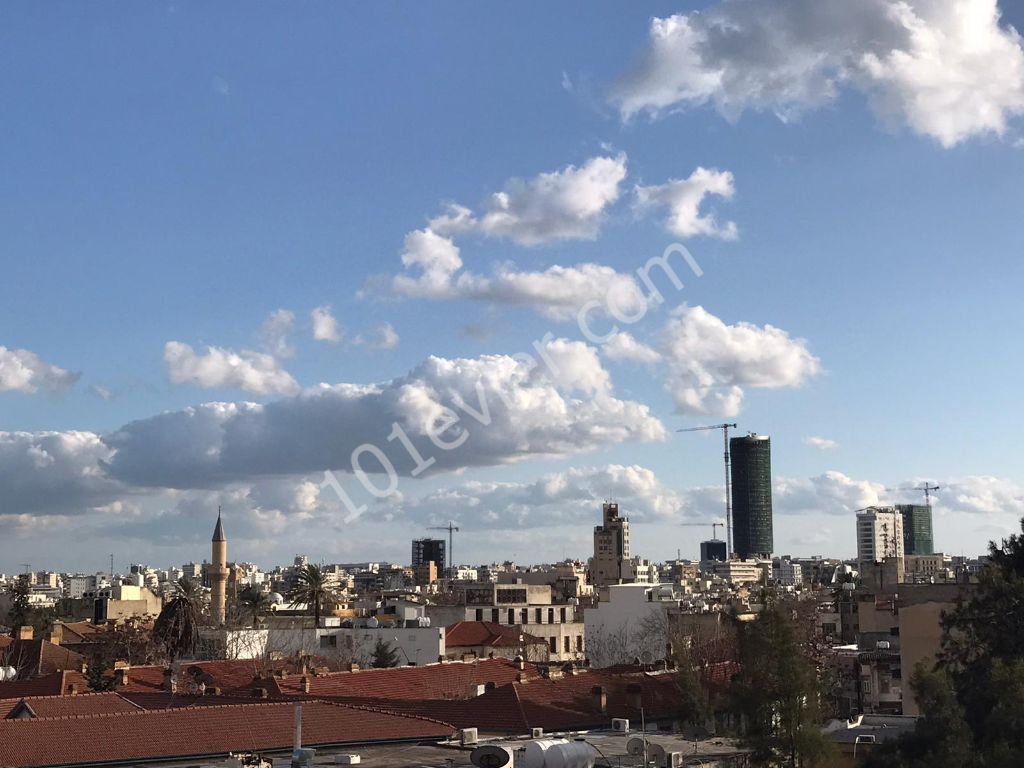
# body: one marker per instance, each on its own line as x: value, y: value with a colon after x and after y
x: 728, y: 481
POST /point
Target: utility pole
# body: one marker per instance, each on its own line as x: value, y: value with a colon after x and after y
x: 728, y: 480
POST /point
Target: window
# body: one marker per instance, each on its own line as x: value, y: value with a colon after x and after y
x: 537, y: 616
x: 554, y: 644
x: 579, y: 643
x: 566, y: 644
x: 563, y: 615
x: 524, y: 616
x: 551, y: 615
x: 479, y: 614
x: 329, y: 641
x: 494, y: 615
x: 511, y: 615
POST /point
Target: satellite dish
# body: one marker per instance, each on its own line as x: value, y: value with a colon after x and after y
x: 635, y: 746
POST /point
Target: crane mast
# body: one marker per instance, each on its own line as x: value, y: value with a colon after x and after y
x: 728, y: 480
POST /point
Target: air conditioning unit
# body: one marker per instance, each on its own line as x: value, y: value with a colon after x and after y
x: 620, y: 725
x: 536, y: 733
x: 347, y: 759
x: 468, y: 736
x: 674, y: 760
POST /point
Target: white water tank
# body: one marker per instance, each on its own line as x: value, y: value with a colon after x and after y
x: 535, y: 753
x: 574, y: 754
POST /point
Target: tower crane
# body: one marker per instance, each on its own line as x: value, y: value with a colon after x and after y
x: 728, y: 490
x: 715, y: 525
x: 927, y: 492
x: 451, y: 528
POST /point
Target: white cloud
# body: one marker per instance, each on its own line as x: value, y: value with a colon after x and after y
x: 23, y: 371
x: 276, y: 332
x: 831, y: 493
x: 821, y: 443
x: 254, y: 372
x: 382, y: 336
x: 508, y: 409
x: 711, y: 362
x: 565, y: 204
x: 573, y: 496
x: 325, y: 325
x: 103, y: 393
x: 54, y: 472
x: 560, y: 205
x: 621, y: 345
x: 683, y: 198
x: 945, y: 68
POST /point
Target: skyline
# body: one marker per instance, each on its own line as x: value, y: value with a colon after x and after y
x: 227, y: 271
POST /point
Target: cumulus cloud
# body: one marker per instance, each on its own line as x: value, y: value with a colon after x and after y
x: 948, y: 69
x: 54, y: 472
x: 621, y: 345
x: 567, y: 204
x: 325, y: 325
x: 711, y: 362
x: 382, y: 336
x: 491, y: 410
x: 255, y: 372
x: 23, y: 371
x: 683, y: 198
x: 830, y: 493
x: 573, y: 496
x: 821, y: 443
x: 276, y: 332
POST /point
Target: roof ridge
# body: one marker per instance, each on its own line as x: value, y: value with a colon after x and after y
x: 140, y: 711
x: 381, y: 710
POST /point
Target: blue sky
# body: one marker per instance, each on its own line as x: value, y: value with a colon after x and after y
x: 179, y: 173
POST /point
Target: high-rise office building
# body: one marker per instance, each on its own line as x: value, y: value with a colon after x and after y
x: 879, y: 535
x: 429, y: 550
x: 751, y: 495
x: 610, y: 563
x: 917, y: 529
x: 713, y: 549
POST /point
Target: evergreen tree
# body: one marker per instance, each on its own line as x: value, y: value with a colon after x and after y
x: 20, y: 612
x: 384, y: 655
x: 776, y: 694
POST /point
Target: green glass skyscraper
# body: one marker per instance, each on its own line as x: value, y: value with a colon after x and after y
x: 917, y: 529
x: 752, y: 495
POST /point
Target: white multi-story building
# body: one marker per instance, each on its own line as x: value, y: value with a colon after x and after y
x: 787, y: 573
x: 879, y: 535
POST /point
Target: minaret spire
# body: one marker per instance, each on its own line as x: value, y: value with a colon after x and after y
x: 219, y: 573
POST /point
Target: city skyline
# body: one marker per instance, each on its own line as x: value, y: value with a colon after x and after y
x: 229, y: 272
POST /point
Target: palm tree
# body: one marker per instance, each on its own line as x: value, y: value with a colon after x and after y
x: 177, y: 626
x: 311, y: 588
x: 255, y: 600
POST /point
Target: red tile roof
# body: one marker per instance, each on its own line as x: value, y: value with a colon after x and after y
x: 55, y: 684
x: 63, y: 706
x: 39, y: 657
x: 451, y: 680
x: 487, y: 633
x: 206, y: 732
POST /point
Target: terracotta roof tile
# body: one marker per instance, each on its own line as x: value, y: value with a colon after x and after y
x: 206, y: 732
x: 451, y: 680
x: 55, y: 684
x: 62, y: 706
x: 487, y: 633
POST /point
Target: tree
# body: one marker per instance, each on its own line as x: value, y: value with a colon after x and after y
x: 20, y: 612
x: 311, y: 588
x: 384, y: 655
x: 255, y: 601
x: 972, y: 702
x: 177, y: 626
x: 776, y: 693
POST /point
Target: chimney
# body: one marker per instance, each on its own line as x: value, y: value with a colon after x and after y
x: 121, y: 676
x: 73, y: 690
x: 305, y: 684
x: 25, y: 633
x: 353, y: 667
x: 56, y: 634
x: 600, y: 698
x: 260, y: 693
